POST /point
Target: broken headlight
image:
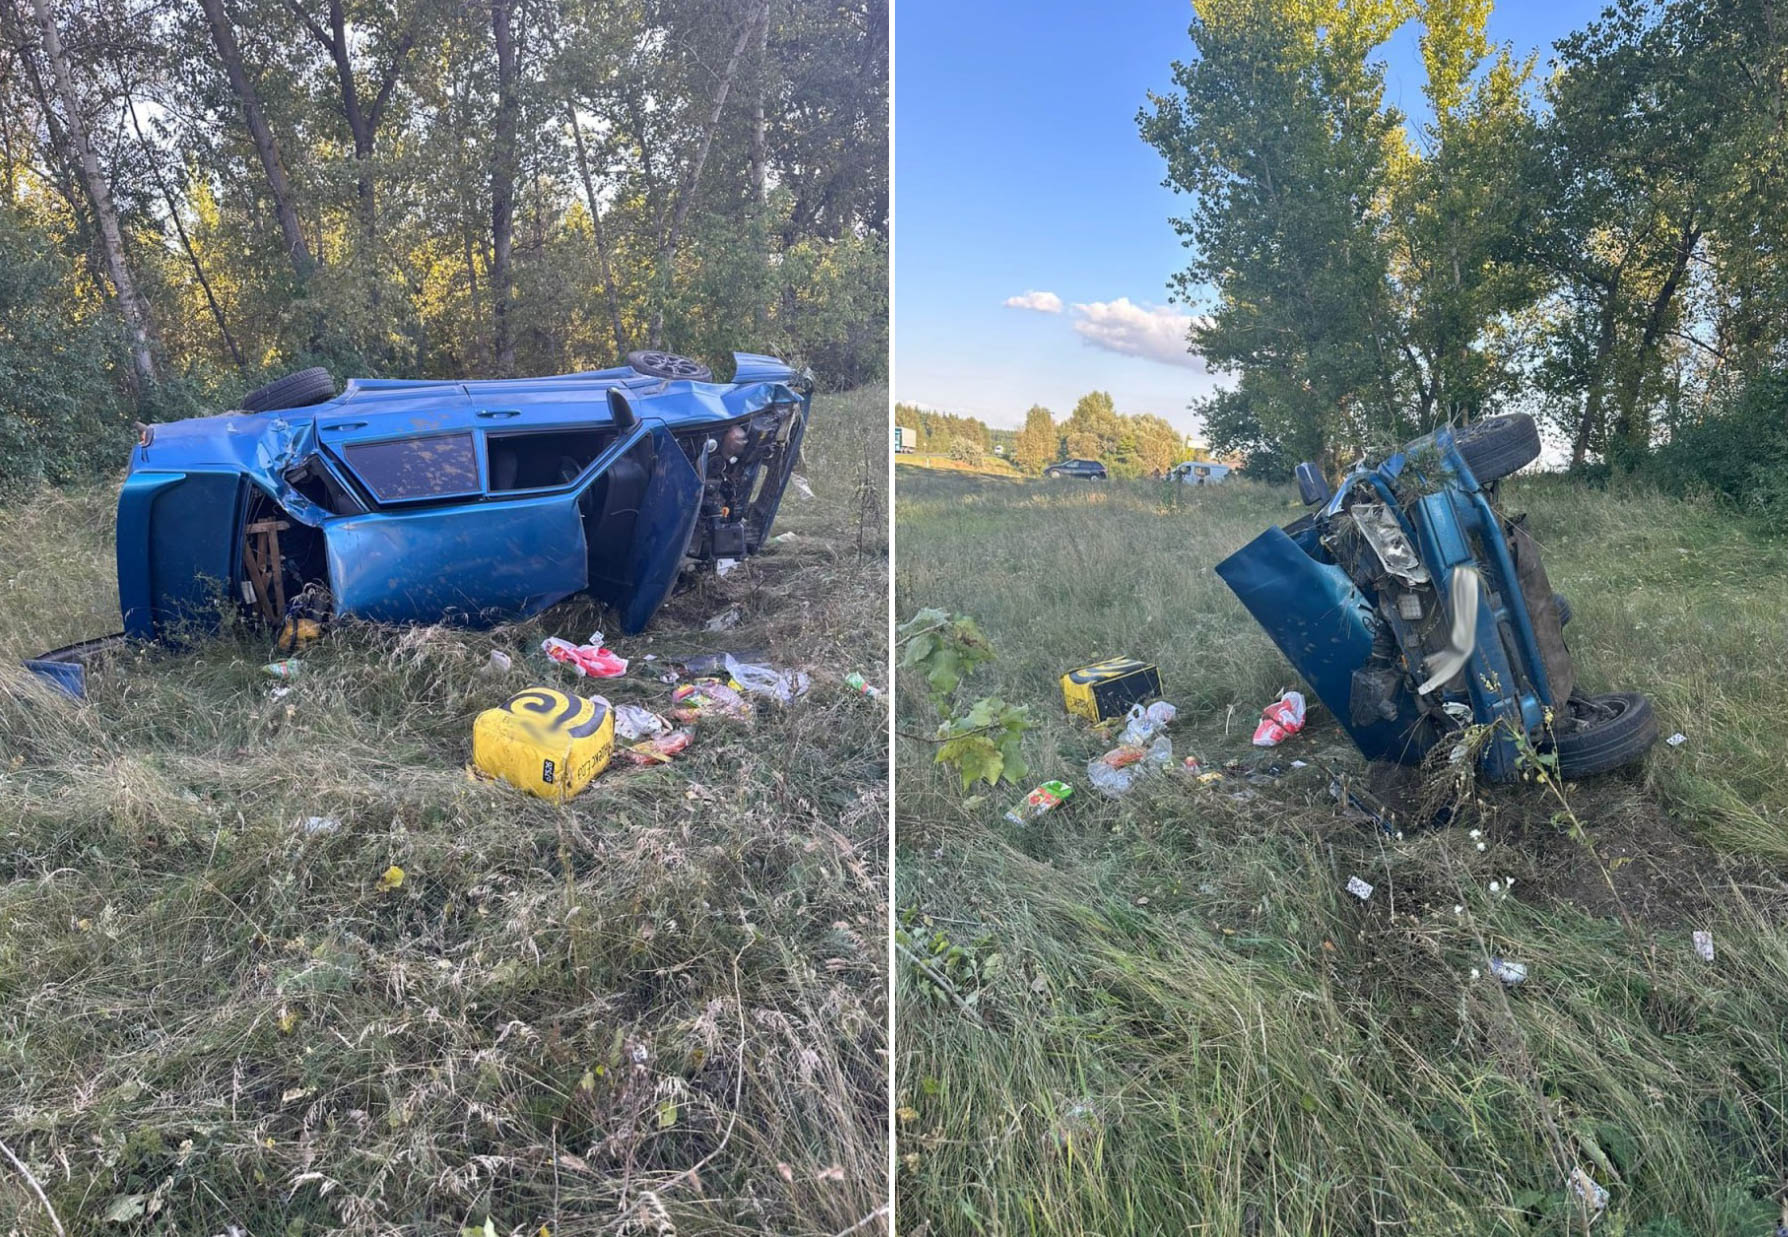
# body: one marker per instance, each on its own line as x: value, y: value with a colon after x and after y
x: 1379, y: 526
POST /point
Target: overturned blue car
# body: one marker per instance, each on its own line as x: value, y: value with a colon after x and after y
x: 1417, y: 609
x: 471, y: 502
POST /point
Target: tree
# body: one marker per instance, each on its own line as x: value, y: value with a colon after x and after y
x: 1035, y: 447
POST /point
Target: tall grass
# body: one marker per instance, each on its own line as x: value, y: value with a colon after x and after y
x: 659, y: 1009
x: 1186, y: 1024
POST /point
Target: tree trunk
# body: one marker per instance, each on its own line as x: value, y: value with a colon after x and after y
x: 1633, y: 425
x: 502, y: 187
x: 99, y: 196
x: 760, y: 128
x: 602, y: 258
x: 167, y: 196
x: 1591, y: 417
x: 224, y: 36
x: 667, y: 251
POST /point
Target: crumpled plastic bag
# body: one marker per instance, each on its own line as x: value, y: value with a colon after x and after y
x: 632, y: 723
x: 589, y: 660
x: 1115, y: 772
x: 781, y: 686
x: 1142, y: 724
x: 1280, y: 720
x: 659, y: 749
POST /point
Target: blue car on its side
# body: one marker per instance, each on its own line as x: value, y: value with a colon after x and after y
x: 446, y: 501
x: 1415, y: 607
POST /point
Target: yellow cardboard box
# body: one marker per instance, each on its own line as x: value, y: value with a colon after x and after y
x: 1108, y: 688
x: 545, y: 742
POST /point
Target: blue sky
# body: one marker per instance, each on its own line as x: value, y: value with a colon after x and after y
x: 1018, y: 169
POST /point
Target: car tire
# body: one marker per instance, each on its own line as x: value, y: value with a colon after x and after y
x: 299, y: 390
x: 1563, y: 608
x: 668, y: 365
x: 1052, y: 473
x: 1621, y: 730
x: 1497, y: 446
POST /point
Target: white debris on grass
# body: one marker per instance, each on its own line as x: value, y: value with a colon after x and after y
x: 1358, y: 888
x: 1704, y: 946
x: 1677, y: 739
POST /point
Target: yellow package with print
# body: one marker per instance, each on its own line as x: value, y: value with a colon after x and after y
x: 545, y: 742
x: 1108, y: 688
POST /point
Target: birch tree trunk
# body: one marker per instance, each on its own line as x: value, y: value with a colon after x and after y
x: 99, y: 197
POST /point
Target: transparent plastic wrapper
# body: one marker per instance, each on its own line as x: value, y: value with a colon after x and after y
x: 1280, y: 720
x: 1045, y: 798
x: 707, y: 698
x: 781, y: 686
x: 1142, y: 724
x: 589, y: 660
x: 1114, y: 773
x: 857, y: 683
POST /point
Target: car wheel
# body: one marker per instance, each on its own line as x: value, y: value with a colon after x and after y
x: 1563, y: 608
x: 1497, y: 446
x: 1052, y: 473
x: 668, y: 365
x: 299, y: 390
x: 1610, y: 731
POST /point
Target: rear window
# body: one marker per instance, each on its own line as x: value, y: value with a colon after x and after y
x: 434, y: 467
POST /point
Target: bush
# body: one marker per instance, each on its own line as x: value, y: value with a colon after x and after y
x: 1739, y: 454
x: 63, y: 409
x: 966, y: 450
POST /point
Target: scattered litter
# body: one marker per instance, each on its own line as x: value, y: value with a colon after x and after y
x: 1511, y: 973
x: 633, y: 723
x: 860, y: 685
x: 760, y: 680
x: 392, y: 878
x: 1704, y: 946
x: 1143, y: 724
x: 784, y: 538
x: 800, y: 484
x: 1677, y: 739
x: 1593, y: 1197
x: 1044, y: 798
x: 500, y: 662
x: 723, y: 567
x: 707, y: 698
x: 1115, y: 772
x: 658, y: 750
x: 590, y: 659
x: 726, y: 620
x: 1300, y: 764
x: 285, y: 668
x: 1359, y: 888
x: 319, y: 824
x: 1280, y: 720
x: 279, y: 693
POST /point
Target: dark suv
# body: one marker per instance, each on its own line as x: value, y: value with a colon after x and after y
x: 1092, y: 470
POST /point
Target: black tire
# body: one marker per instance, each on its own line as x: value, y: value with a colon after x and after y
x: 1052, y: 473
x: 669, y: 365
x: 1497, y: 446
x: 1563, y: 608
x: 1611, y: 731
x: 299, y: 390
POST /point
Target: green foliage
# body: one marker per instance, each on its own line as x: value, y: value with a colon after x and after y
x: 63, y: 409
x: 942, y: 647
x: 1739, y: 454
x: 984, y: 744
x: 1034, y: 447
x: 944, y: 969
x: 936, y: 431
x: 967, y: 450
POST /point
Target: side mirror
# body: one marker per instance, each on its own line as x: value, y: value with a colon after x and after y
x: 620, y: 409
x: 1312, y: 487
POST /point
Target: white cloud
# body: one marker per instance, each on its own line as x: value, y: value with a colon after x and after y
x: 1042, y: 302
x: 1156, y: 332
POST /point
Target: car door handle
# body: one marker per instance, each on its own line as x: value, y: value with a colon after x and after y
x: 505, y: 413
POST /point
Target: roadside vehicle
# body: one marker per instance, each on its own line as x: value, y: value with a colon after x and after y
x: 1088, y: 470
x: 1198, y: 472
x: 1415, y: 607
x: 471, y: 502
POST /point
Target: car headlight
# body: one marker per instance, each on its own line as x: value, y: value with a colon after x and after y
x: 1385, y: 535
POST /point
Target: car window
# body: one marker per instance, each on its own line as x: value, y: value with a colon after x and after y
x: 433, y: 467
